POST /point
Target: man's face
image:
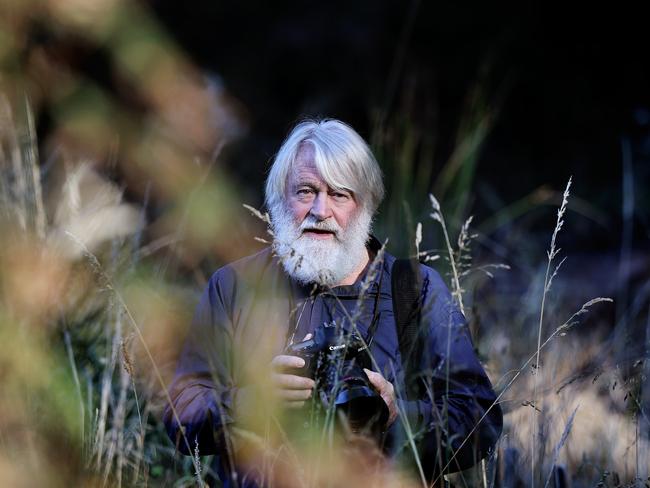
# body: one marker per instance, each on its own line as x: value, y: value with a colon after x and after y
x: 320, y: 234
x: 308, y: 195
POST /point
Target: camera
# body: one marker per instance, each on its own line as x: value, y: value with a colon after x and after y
x: 335, y: 359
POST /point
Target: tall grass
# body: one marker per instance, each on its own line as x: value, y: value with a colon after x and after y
x: 115, y: 383
x: 548, y: 280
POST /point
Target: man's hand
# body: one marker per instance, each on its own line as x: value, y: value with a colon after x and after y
x: 293, y: 389
x: 387, y: 393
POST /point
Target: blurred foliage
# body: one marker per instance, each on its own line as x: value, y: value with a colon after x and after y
x: 409, y: 156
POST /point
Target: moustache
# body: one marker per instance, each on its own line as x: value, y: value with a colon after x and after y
x: 314, y: 225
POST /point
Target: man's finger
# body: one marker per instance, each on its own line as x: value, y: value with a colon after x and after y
x: 376, y: 379
x: 292, y: 382
x: 386, y: 391
x: 284, y: 361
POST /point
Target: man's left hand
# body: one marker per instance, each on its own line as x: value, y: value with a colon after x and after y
x: 386, y: 391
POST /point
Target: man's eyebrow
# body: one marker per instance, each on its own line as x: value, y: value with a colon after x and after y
x: 306, y: 182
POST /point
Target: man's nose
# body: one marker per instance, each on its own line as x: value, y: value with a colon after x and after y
x: 321, y: 206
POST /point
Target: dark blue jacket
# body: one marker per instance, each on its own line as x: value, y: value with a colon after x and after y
x: 252, y: 306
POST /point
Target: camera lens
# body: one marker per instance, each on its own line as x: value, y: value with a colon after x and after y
x: 355, y: 396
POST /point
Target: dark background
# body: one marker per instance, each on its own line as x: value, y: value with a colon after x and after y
x: 572, y: 88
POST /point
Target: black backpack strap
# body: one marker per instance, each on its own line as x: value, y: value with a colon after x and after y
x: 406, y: 286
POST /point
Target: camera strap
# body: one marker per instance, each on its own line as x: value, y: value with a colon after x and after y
x: 406, y: 287
x: 375, y: 310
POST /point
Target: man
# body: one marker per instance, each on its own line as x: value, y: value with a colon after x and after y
x: 324, y: 268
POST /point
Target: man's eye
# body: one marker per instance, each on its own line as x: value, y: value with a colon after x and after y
x: 340, y: 196
x: 304, y: 191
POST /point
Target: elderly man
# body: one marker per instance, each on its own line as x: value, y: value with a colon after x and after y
x: 324, y: 267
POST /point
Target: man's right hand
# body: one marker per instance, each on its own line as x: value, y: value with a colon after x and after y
x: 292, y: 389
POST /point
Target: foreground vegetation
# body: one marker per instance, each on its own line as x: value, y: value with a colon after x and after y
x: 92, y: 319
x: 108, y: 237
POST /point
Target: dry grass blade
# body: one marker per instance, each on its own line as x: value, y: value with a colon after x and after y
x: 456, y: 291
x: 161, y: 382
x: 551, y: 254
x: 584, y: 309
x: 418, y: 238
x: 561, y: 442
x: 264, y: 217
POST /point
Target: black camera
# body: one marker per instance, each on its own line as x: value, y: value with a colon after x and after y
x: 335, y: 359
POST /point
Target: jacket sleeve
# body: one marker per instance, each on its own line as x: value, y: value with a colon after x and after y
x: 456, y: 406
x: 202, y: 392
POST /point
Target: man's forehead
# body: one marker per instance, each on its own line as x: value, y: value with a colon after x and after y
x: 305, y: 174
x: 305, y: 157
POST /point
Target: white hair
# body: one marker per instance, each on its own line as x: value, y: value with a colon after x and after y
x: 341, y: 156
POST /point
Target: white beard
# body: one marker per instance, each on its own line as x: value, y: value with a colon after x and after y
x: 326, y: 262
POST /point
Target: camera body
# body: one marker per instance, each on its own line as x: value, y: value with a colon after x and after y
x: 335, y: 359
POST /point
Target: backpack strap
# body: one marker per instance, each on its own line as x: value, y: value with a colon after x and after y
x: 406, y: 286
